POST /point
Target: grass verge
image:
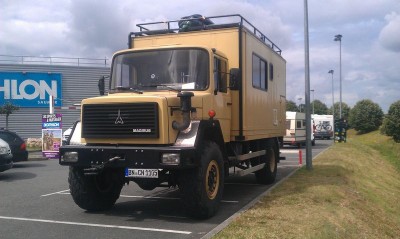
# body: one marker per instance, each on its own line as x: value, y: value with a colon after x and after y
x: 352, y: 192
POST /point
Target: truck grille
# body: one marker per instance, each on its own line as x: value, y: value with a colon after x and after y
x: 130, y: 120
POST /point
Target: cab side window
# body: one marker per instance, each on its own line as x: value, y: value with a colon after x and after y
x: 220, y: 75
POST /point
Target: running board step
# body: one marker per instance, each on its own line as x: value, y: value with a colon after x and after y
x: 250, y: 170
x: 248, y: 156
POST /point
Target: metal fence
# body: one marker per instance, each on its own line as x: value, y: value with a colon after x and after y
x: 51, y: 60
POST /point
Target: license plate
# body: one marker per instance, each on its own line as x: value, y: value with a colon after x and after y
x: 141, y: 173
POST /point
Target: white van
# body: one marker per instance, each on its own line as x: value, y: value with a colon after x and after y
x: 324, y: 126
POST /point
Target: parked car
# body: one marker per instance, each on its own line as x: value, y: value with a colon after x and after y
x: 5, y: 156
x: 17, y: 145
x: 66, y: 135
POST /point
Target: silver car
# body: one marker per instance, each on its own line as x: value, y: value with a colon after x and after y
x: 5, y: 156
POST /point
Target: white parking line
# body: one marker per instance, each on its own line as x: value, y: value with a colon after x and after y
x: 59, y: 192
x: 290, y: 165
x: 95, y: 225
x: 290, y: 151
x: 66, y: 192
x: 148, y: 197
x: 168, y: 198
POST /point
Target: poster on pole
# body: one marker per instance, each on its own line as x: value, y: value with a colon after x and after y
x: 51, y: 135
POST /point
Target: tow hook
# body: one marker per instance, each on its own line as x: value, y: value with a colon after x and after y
x: 97, y: 169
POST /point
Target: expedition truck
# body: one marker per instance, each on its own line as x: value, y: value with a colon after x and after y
x: 187, y: 106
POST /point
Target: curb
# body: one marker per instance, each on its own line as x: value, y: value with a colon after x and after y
x: 225, y: 223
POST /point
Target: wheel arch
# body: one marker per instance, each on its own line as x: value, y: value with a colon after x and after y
x: 200, y: 132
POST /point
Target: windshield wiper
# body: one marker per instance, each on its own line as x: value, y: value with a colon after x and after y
x: 127, y: 88
x: 163, y: 85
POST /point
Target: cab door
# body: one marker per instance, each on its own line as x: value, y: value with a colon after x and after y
x: 222, y: 95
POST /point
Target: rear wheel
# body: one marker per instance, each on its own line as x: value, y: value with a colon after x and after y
x: 202, y: 187
x: 267, y: 174
x: 96, y: 192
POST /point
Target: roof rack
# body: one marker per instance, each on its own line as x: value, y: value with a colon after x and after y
x: 224, y: 21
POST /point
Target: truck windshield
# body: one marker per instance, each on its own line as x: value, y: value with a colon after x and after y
x: 177, y: 69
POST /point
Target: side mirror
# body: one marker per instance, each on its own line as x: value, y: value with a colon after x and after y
x: 101, y: 85
x: 235, y: 78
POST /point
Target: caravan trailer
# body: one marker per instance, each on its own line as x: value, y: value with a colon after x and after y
x: 296, y: 129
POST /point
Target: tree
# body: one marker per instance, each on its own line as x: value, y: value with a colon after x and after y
x: 391, y: 123
x: 319, y: 107
x: 366, y: 116
x: 345, y: 110
x: 291, y: 106
x: 8, y: 108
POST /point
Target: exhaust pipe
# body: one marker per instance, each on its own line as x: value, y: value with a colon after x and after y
x: 186, y: 107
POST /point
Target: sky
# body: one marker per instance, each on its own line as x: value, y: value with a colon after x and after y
x: 370, y: 46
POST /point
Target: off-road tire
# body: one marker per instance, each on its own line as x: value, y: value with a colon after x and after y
x: 267, y: 174
x: 202, y: 188
x: 95, y: 193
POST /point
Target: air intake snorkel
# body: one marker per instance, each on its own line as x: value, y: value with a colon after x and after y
x: 186, y: 107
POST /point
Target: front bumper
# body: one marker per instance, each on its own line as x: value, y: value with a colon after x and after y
x: 323, y: 134
x: 5, y: 162
x: 146, y: 157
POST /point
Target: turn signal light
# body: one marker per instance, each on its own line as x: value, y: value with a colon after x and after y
x: 171, y: 158
x: 69, y: 157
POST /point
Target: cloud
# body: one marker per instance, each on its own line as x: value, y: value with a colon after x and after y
x: 389, y: 36
x: 29, y: 28
x: 98, y: 28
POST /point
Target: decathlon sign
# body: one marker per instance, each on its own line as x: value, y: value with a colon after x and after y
x: 30, y: 89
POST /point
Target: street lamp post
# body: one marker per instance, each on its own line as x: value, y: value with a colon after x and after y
x: 299, y: 103
x: 333, y: 95
x: 307, y: 88
x: 339, y: 39
x: 312, y: 101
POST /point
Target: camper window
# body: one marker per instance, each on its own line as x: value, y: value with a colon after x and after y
x: 271, y: 71
x: 260, y: 73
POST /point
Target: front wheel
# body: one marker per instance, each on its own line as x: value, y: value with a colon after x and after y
x: 202, y: 187
x: 95, y: 192
x: 267, y: 174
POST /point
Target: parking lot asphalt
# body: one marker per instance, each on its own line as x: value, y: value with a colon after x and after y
x: 35, y: 203
x: 36, y: 155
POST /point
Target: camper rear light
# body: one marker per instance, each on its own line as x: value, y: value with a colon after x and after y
x: 171, y: 158
x: 69, y: 157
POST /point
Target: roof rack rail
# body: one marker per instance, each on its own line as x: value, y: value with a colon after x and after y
x: 223, y: 21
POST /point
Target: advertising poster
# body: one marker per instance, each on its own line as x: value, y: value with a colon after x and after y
x: 30, y: 89
x: 51, y: 135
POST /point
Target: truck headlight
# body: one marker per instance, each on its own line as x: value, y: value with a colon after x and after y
x: 71, y: 157
x: 171, y: 158
x: 3, y: 150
